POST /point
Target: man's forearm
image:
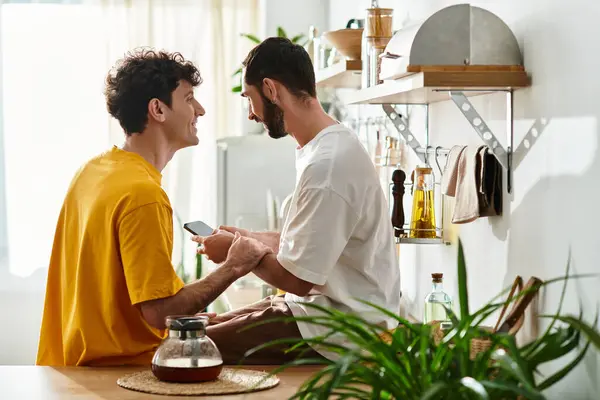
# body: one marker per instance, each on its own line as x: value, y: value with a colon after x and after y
x: 272, y: 272
x: 191, y: 299
x: 270, y: 239
x: 199, y: 294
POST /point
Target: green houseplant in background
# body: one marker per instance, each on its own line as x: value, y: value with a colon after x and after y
x: 179, y: 266
x: 412, y: 364
x: 237, y: 75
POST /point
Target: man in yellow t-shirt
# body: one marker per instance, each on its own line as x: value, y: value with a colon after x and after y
x: 111, y: 282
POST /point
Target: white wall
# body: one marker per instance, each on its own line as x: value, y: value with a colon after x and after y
x: 295, y: 16
x: 556, y: 188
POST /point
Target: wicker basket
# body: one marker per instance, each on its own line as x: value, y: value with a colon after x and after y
x: 479, y: 345
x: 514, y: 320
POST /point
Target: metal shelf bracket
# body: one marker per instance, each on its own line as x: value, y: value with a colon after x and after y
x: 402, y: 127
x: 503, y: 155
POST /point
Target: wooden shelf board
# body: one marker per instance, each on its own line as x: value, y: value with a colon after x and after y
x: 433, y: 86
x: 344, y: 74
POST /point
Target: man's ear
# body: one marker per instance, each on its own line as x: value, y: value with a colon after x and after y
x: 156, y: 110
x: 270, y: 90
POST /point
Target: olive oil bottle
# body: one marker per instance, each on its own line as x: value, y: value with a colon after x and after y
x: 422, y: 223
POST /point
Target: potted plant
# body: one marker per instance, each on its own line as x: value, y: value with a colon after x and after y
x: 410, y: 363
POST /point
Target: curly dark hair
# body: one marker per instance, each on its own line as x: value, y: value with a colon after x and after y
x: 140, y: 77
x: 288, y: 63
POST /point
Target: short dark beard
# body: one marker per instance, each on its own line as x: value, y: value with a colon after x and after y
x: 273, y: 118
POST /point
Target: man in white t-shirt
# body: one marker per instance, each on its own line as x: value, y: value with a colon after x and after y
x: 337, y: 243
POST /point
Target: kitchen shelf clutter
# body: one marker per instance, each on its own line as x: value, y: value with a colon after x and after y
x: 342, y: 74
x: 459, y: 52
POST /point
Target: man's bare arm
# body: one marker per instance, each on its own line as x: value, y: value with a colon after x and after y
x: 272, y: 272
x: 269, y: 269
x: 270, y: 239
x: 243, y: 256
x: 191, y: 299
x: 217, y: 245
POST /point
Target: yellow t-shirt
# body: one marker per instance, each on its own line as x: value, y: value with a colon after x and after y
x: 112, y: 250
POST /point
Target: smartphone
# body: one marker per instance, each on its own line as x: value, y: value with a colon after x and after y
x: 198, y: 228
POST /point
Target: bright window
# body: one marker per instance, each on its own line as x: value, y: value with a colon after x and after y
x: 54, y: 118
x: 54, y: 57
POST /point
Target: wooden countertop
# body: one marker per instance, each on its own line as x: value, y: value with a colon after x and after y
x: 33, y: 382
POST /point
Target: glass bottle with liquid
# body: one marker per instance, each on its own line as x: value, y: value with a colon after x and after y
x: 313, y: 46
x: 437, y: 301
x: 422, y: 223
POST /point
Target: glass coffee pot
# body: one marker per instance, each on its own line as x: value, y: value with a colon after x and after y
x: 187, y: 354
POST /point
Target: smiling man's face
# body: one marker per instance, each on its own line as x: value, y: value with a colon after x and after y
x: 181, y: 117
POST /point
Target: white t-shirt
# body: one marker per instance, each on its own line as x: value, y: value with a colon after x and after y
x: 338, y: 232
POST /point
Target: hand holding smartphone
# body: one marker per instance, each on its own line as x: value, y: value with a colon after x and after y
x: 198, y: 228
x: 215, y: 247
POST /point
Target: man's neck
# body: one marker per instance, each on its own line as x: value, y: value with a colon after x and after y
x: 306, y: 121
x: 152, y: 147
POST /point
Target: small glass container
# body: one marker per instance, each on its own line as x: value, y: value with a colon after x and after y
x: 187, y: 354
x: 379, y: 22
x: 437, y: 302
x: 392, y: 152
x: 375, y: 65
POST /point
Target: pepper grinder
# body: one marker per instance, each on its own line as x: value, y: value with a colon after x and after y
x: 398, y: 178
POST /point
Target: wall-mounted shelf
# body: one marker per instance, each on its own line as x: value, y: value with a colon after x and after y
x: 408, y: 240
x: 433, y: 86
x: 343, y: 74
x: 424, y: 88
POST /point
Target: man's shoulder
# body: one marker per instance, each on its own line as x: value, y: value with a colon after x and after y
x: 141, y: 191
x: 147, y: 191
x: 126, y: 186
x: 339, y: 155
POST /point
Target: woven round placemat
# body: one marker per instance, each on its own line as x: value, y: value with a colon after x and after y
x: 231, y: 381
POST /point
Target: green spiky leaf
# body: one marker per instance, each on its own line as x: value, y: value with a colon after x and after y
x: 237, y: 72
x: 297, y: 38
x: 588, y: 330
x: 463, y: 294
x: 475, y: 387
x: 251, y: 37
